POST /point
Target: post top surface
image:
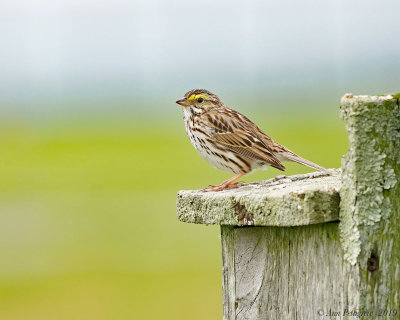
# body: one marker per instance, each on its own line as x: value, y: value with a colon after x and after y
x: 283, y: 201
x: 369, y: 98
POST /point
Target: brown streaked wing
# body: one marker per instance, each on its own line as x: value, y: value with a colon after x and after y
x: 240, y: 136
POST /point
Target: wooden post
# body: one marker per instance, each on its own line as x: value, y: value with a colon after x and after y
x: 370, y: 202
x: 285, y: 253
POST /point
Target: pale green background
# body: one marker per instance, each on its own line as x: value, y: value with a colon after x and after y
x: 93, y: 148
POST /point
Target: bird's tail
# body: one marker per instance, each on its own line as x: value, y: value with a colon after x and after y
x: 295, y: 158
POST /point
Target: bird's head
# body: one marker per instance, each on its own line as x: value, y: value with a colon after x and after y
x: 200, y: 99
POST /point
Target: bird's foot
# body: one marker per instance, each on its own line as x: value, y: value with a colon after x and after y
x: 224, y: 186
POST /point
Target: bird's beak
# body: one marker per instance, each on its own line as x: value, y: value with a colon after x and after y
x: 183, y: 102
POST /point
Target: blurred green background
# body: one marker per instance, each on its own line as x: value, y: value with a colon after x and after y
x: 93, y: 148
x: 88, y: 228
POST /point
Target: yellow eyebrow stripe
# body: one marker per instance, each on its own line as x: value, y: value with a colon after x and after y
x: 196, y: 96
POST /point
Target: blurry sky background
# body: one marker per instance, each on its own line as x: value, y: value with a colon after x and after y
x: 98, y: 51
x: 93, y: 148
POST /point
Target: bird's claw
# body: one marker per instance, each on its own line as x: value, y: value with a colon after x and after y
x: 223, y: 186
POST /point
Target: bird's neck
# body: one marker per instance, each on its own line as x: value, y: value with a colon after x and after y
x: 191, y: 112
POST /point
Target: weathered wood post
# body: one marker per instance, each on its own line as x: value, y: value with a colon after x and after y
x: 323, y: 246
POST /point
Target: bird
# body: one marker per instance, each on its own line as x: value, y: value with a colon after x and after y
x: 230, y: 141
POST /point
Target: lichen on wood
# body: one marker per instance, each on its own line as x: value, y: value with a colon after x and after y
x: 283, y: 201
x: 370, y: 199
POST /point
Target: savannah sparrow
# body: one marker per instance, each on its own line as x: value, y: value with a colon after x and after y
x: 229, y: 141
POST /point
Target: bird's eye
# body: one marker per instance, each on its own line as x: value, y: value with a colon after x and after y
x: 200, y: 100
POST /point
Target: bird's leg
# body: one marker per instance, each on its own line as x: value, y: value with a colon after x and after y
x: 228, y: 184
